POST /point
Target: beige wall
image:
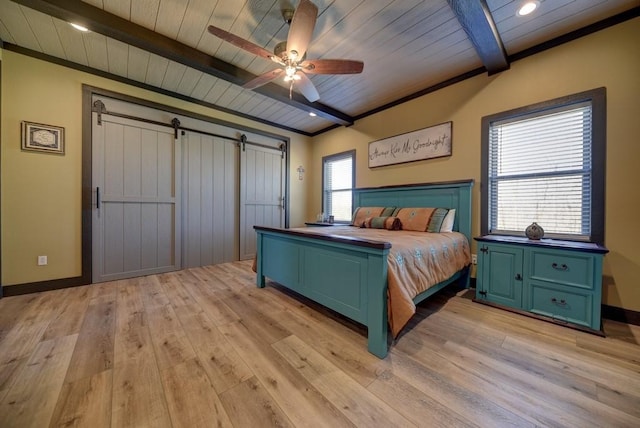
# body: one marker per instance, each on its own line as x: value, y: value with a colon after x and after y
x: 609, y: 58
x: 41, y: 193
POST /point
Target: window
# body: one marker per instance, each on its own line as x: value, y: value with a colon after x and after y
x: 545, y: 163
x: 338, y: 177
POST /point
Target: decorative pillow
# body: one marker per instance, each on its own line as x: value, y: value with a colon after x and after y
x: 388, y: 212
x: 447, y: 223
x: 386, y: 222
x: 436, y: 220
x: 416, y: 219
x: 361, y: 213
x: 393, y: 223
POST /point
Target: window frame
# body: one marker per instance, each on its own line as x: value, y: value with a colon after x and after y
x: 336, y: 156
x: 597, y: 98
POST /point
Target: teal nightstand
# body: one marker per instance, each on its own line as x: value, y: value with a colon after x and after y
x: 557, y: 280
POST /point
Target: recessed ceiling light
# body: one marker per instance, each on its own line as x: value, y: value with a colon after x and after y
x: 312, y: 114
x: 528, y: 8
x: 79, y: 27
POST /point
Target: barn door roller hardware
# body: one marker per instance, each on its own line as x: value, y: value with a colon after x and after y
x: 99, y: 107
x: 175, y: 123
x: 243, y: 141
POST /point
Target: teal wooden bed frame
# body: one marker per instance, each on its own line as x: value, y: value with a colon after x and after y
x: 349, y: 275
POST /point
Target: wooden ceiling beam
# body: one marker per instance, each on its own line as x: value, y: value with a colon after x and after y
x: 120, y: 29
x: 476, y: 19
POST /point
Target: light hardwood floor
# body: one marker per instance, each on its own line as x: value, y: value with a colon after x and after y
x: 204, y: 347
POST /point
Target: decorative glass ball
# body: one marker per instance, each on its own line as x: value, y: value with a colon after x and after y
x: 534, y: 231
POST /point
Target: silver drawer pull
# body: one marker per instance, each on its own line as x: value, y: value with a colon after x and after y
x: 556, y: 266
x: 561, y: 302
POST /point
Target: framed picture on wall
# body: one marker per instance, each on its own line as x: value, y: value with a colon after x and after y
x: 42, y: 138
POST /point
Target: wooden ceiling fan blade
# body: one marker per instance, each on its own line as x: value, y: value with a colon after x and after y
x: 332, y: 66
x: 306, y: 88
x: 263, y: 78
x: 302, y: 25
x: 240, y: 42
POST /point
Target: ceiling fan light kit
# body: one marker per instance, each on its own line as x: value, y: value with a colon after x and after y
x: 290, y: 55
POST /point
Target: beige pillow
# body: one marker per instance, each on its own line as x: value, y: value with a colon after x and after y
x: 447, y: 223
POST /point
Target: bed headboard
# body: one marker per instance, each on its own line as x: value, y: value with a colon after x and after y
x: 452, y: 194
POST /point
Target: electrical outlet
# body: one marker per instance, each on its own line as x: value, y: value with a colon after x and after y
x: 474, y: 259
x: 42, y: 260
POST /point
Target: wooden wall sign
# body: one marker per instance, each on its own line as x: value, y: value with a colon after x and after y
x: 427, y: 143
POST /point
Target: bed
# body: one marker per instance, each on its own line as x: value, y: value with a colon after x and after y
x: 349, y: 274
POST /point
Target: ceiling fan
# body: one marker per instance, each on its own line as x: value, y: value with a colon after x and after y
x: 290, y: 55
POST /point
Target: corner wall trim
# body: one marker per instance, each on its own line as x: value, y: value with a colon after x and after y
x: 37, y: 287
x: 623, y: 315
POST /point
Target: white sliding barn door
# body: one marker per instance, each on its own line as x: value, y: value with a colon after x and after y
x: 210, y: 201
x: 136, y: 209
x: 262, y: 190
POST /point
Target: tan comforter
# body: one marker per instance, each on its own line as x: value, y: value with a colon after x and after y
x: 417, y: 261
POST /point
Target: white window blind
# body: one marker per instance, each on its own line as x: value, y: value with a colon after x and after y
x: 540, y: 169
x: 337, y: 186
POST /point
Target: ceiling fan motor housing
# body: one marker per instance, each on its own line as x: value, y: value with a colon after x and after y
x: 281, y: 52
x: 287, y: 14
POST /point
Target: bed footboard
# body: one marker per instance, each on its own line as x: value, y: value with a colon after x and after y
x: 350, y: 275
x: 346, y: 275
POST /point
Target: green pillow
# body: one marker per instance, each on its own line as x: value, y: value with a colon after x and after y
x: 389, y: 223
x: 435, y: 222
x: 387, y: 211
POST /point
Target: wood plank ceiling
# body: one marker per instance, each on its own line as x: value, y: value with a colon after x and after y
x: 407, y: 46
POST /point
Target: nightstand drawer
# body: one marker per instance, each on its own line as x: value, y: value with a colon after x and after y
x: 561, y: 304
x: 573, y: 270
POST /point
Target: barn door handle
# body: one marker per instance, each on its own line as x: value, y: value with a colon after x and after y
x: 97, y: 198
x: 518, y: 277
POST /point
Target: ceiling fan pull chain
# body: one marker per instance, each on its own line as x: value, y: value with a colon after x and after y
x: 290, y: 89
